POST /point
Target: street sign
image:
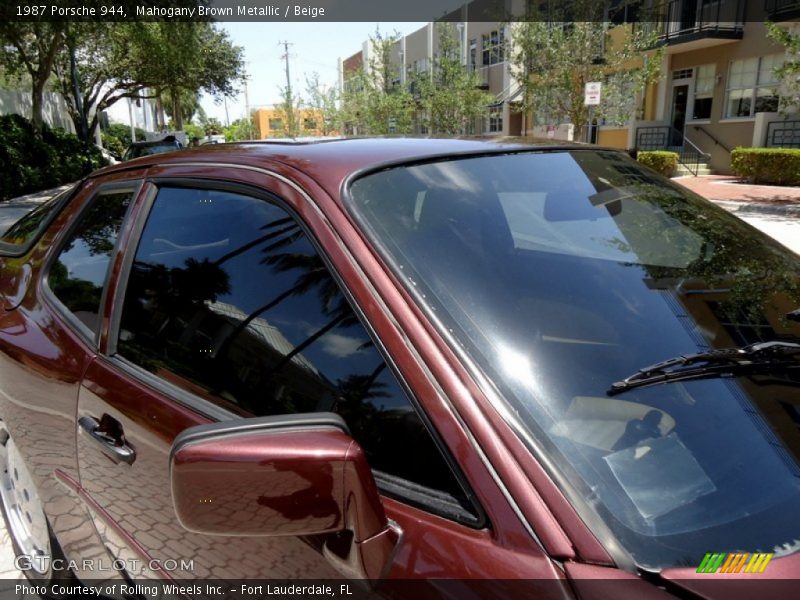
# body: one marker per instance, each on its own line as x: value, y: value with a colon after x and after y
x: 591, y: 94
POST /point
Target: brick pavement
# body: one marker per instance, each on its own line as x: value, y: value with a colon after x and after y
x: 726, y: 187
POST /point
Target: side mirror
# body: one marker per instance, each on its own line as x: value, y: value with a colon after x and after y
x: 284, y: 475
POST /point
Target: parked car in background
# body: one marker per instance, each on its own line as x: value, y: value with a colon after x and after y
x: 402, y: 359
x: 110, y: 158
x: 212, y: 139
x: 138, y: 149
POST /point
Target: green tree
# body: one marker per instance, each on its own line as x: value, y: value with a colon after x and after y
x: 373, y: 102
x: 187, y: 56
x: 170, y: 62
x: 212, y: 126
x: 31, y: 49
x: 554, y: 59
x: 241, y: 129
x: 189, y: 102
x: 106, y: 72
x: 117, y: 137
x: 450, y: 98
x: 325, y: 101
x: 194, y: 131
x: 289, y: 108
x: 789, y: 72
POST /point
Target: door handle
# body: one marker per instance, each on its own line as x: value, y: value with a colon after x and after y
x: 108, y: 437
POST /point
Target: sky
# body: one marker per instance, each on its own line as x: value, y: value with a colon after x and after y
x: 314, y: 47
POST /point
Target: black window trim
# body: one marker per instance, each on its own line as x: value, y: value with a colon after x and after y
x: 91, y: 338
x: 410, y: 494
x: 18, y: 250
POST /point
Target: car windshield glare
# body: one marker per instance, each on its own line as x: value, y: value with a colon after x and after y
x: 559, y: 272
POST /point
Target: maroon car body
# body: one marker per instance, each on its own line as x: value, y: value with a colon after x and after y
x: 104, y: 506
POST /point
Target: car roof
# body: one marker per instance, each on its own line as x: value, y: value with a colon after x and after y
x: 330, y: 161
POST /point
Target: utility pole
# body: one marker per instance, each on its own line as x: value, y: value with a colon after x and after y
x: 289, y: 99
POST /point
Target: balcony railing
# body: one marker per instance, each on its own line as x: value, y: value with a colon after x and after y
x: 666, y: 137
x: 783, y: 134
x: 678, y: 21
x: 782, y: 10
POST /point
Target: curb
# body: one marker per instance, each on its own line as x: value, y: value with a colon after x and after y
x: 761, y: 208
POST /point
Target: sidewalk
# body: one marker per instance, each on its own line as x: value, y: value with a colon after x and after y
x: 744, y: 197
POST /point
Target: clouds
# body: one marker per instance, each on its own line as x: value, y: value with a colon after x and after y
x: 340, y: 346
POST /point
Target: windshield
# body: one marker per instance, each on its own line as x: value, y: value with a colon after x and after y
x: 561, y: 272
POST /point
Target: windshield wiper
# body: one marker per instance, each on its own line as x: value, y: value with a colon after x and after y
x: 763, y: 357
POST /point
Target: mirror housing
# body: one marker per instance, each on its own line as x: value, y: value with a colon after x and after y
x: 285, y: 475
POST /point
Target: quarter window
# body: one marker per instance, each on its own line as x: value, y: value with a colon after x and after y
x: 78, y: 275
x: 229, y: 299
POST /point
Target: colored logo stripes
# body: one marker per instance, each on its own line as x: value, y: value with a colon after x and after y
x: 735, y: 562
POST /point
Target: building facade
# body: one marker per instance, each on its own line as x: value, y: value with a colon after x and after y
x: 717, y: 88
x: 483, y: 50
x: 270, y: 123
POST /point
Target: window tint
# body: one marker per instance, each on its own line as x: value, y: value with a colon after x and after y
x: 33, y: 223
x: 228, y: 298
x: 78, y: 275
x: 560, y: 273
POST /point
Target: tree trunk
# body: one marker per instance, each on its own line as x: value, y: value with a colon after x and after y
x: 37, y: 105
x: 177, y: 112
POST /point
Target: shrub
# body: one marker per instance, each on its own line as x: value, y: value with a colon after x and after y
x: 780, y: 166
x: 659, y: 160
x: 29, y: 163
x: 117, y: 138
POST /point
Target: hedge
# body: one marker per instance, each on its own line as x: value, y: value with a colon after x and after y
x: 659, y: 160
x: 779, y: 166
x: 29, y: 163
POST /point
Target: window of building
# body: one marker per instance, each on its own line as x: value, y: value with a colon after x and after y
x: 229, y: 299
x: 742, y: 327
x: 703, y: 91
x: 276, y: 124
x: 473, y: 53
x: 682, y: 74
x: 309, y: 123
x: 495, y: 120
x: 752, y: 86
x: 78, y: 275
x: 493, y: 47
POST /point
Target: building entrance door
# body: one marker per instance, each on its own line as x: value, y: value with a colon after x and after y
x: 680, y: 100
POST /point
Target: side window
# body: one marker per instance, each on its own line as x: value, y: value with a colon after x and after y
x: 79, y: 272
x: 228, y: 298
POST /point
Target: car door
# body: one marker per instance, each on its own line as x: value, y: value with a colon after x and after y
x: 48, y: 336
x: 227, y: 307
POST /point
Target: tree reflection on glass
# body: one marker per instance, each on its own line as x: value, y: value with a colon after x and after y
x: 229, y: 299
x: 78, y: 275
